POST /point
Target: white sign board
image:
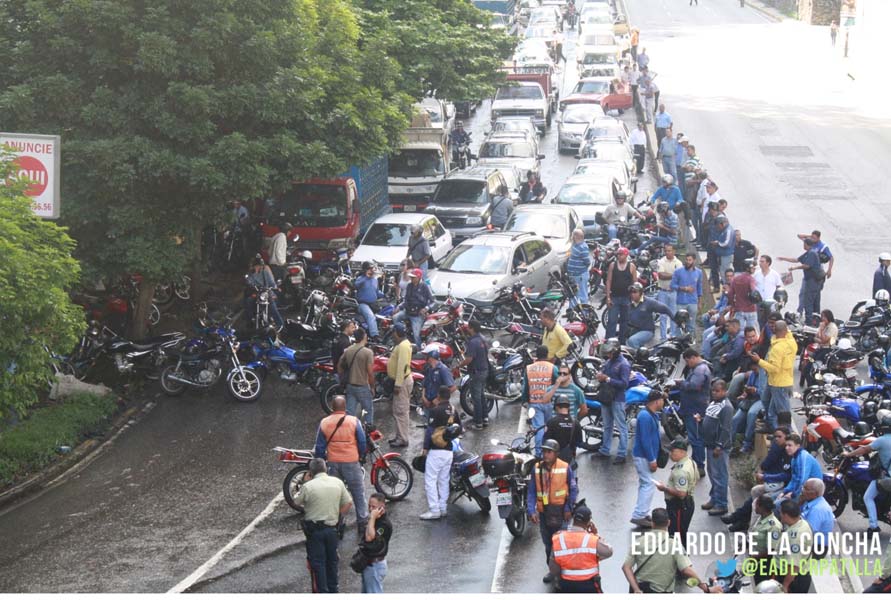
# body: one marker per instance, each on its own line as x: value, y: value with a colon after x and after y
x: 38, y: 160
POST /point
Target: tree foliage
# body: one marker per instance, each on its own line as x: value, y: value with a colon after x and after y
x: 36, y: 272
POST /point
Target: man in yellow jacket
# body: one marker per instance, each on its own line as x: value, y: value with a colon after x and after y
x: 780, y: 367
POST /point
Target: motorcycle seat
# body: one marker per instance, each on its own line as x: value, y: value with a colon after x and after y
x: 152, y: 342
x: 311, y: 355
x: 842, y: 435
x: 192, y: 354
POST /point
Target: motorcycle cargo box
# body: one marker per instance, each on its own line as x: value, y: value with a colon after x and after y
x: 498, y: 464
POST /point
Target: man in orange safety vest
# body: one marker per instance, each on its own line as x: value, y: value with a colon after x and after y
x: 577, y: 552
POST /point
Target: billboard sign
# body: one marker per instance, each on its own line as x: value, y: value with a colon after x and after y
x: 38, y: 160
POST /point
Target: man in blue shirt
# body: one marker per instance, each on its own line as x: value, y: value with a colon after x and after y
x: 667, y: 226
x: 616, y: 373
x: 645, y: 452
x: 668, y: 192
x: 804, y: 467
x: 477, y: 363
x: 367, y: 294
x: 883, y: 446
x: 436, y: 375
x: 822, y: 250
x: 695, y: 396
x: 667, y: 153
x: 817, y: 512
x: 416, y: 300
x: 641, y: 316
x: 578, y: 265
x: 814, y: 277
x: 687, y: 283
x: 662, y: 122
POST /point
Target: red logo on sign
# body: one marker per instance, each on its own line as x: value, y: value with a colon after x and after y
x: 31, y: 168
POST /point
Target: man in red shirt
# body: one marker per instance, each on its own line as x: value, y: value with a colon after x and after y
x: 743, y: 303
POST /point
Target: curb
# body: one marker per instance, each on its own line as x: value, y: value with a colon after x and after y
x: 81, y: 456
x: 765, y: 11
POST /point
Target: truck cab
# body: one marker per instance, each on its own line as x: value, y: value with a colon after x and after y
x: 423, y: 159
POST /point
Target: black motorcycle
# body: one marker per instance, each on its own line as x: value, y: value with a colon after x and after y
x: 146, y: 357
x: 504, y: 382
x: 509, y: 474
x: 867, y: 323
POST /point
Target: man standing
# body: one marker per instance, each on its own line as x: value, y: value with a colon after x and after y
x: 438, y: 450
x: 817, y: 512
x: 436, y: 375
x: 744, y: 252
x: 502, y: 207
x: 616, y: 374
x: 666, y: 266
x: 881, y: 279
x: 695, y: 394
x: 278, y: 251
x: 643, y: 59
x: 367, y: 295
x: 822, y: 250
x: 356, y: 369
x: 638, y: 141
x: 679, y: 490
x: 814, y: 277
x: 477, y: 362
x: 722, y: 245
x: 798, y: 536
x: 767, y: 280
x: 399, y: 370
x: 634, y: 80
x: 551, y: 494
x: 741, y: 296
x: 342, y: 341
x: 882, y: 446
x: 718, y: 441
x: 553, y: 336
x: 540, y: 376
x: 341, y: 441
x: 415, y: 302
x: 576, y: 555
x: 634, y: 41
x: 619, y: 277
x: 418, y: 248
x: 641, y: 316
x: 645, y: 452
x: 687, y: 285
x: 662, y: 122
x: 667, y: 151
x: 376, y: 544
x: 324, y: 500
x: 563, y: 429
x: 579, y: 265
x: 780, y: 367
x: 564, y: 388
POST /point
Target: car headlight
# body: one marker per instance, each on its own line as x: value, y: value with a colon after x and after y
x: 485, y: 295
x: 474, y: 220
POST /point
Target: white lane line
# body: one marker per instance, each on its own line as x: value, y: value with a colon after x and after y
x: 201, y: 571
x: 506, y: 537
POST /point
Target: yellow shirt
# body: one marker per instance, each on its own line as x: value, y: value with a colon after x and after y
x: 399, y: 365
x: 322, y: 498
x: 780, y: 361
x: 557, y: 341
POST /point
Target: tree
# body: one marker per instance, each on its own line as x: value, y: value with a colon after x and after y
x: 170, y: 109
x: 441, y: 46
x: 36, y: 272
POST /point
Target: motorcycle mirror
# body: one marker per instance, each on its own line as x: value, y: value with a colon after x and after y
x: 531, y: 412
x: 296, y: 237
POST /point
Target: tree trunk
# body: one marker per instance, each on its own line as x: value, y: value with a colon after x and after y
x: 139, y: 316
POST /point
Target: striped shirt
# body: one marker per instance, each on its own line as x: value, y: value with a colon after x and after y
x: 579, y: 259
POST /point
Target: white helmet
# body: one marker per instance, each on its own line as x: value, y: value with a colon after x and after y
x: 667, y: 179
x: 844, y: 344
x: 769, y: 586
x: 885, y: 256
x: 882, y: 297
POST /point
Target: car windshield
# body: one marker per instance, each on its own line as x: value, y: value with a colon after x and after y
x: 417, y: 163
x: 539, y: 32
x: 476, y: 258
x: 591, y: 87
x: 460, y: 191
x: 387, y: 234
x: 600, y: 72
x: 597, y: 166
x: 549, y: 226
x: 513, y: 125
x: 506, y: 150
x: 519, y: 92
x: 601, y: 39
x: 599, y: 131
x: 599, y: 58
x: 542, y: 16
x: 596, y: 17
x: 312, y: 205
x: 580, y: 114
x: 583, y: 193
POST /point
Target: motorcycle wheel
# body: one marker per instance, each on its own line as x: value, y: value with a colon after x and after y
x: 245, y: 386
x: 467, y: 403
x: 154, y: 315
x: 293, y: 480
x: 163, y: 294
x: 394, y: 481
x: 583, y: 372
x: 503, y: 317
x: 171, y: 387
x: 593, y: 284
x: 516, y: 521
x: 672, y: 428
x: 183, y: 288
x: 837, y: 497
x: 592, y: 431
x: 327, y: 390
x: 483, y: 502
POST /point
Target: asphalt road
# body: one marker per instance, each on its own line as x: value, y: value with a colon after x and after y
x: 791, y: 143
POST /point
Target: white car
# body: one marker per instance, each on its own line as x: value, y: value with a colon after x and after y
x: 615, y: 168
x: 515, y: 148
x: 522, y: 98
x: 545, y: 16
x: 609, y: 149
x: 589, y: 195
x: 386, y: 241
x: 505, y: 124
x: 607, y: 128
x: 573, y: 122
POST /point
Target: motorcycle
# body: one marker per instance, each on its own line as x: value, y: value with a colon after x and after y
x: 198, y: 364
x: 263, y: 297
x: 86, y: 353
x: 296, y: 366
x: 867, y: 323
x: 838, y: 361
x: 839, y: 399
x: 849, y: 478
x: 142, y: 356
x: 880, y: 388
x: 461, y: 154
x: 504, y: 381
x: 823, y: 433
x: 509, y: 474
x: 467, y: 478
x: 391, y: 475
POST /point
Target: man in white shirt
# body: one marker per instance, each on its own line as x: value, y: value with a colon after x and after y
x: 666, y: 266
x: 638, y: 140
x: 766, y: 279
x: 278, y: 251
x: 633, y: 79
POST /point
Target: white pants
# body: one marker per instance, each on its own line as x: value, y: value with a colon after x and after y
x: 436, y: 479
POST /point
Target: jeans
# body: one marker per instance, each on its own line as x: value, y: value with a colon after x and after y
x: 640, y: 339
x: 581, y: 296
x: 724, y: 263
x: 690, y: 325
x: 436, y: 479
x: 778, y: 403
x: 369, y: 318
x: 321, y: 554
x: 669, y: 299
x: 477, y: 385
x: 657, y: 239
x: 640, y: 153
x: 614, y: 416
x: 353, y: 475
x: 373, y: 577
x: 809, y: 302
x: 617, y: 318
x: 736, y: 385
x: 695, y: 440
x: 359, y: 398
x: 543, y: 413
x: 612, y: 231
x: 414, y: 322
x: 708, y: 340
x: 748, y: 319
x: 718, y: 469
x: 668, y: 165
x: 645, y: 488
x: 869, y: 498
x: 547, y: 533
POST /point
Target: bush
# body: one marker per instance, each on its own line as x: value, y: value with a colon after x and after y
x: 33, y: 443
x: 742, y: 469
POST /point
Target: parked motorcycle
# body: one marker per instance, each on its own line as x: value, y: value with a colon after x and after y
x: 270, y: 355
x: 505, y: 379
x: 144, y: 357
x: 839, y: 361
x: 197, y: 366
x: 467, y: 478
x: 509, y: 474
x: 824, y: 435
x: 849, y: 479
x: 867, y: 323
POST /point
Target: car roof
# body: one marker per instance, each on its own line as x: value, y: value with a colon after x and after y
x: 500, y: 238
x: 561, y: 209
x: 522, y: 118
x: 589, y: 179
x: 600, y: 164
x: 476, y: 172
x: 504, y: 136
x: 404, y: 218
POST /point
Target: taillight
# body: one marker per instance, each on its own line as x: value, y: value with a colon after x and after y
x: 294, y: 270
x: 376, y: 435
x: 473, y: 468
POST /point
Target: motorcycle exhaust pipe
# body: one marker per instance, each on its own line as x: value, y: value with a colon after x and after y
x: 188, y: 381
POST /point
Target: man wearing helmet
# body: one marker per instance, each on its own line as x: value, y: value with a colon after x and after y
x: 667, y: 192
x: 551, y: 495
x: 458, y: 137
x: 641, y: 316
x: 881, y: 279
x: 882, y: 445
x: 418, y: 248
x: 667, y: 227
x: 618, y: 213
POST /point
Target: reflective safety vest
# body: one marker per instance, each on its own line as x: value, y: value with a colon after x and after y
x: 551, y: 487
x: 342, y: 446
x: 576, y: 553
x: 540, y: 376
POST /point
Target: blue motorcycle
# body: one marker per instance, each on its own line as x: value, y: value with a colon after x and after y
x: 505, y: 380
x: 880, y: 388
x: 850, y: 477
x: 468, y: 479
x: 268, y: 354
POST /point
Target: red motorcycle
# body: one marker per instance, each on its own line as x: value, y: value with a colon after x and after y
x: 391, y: 475
x: 824, y: 434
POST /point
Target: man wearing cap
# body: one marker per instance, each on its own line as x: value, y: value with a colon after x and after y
x: 647, y: 442
x: 399, y: 370
x: 642, y: 315
x: 476, y: 360
x: 550, y: 496
x: 618, y: 213
x: 367, y: 295
x: 679, y: 490
x: 438, y: 450
x: 662, y: 122
x: 881, y: 279
x: 667, y: 192
x: 576, y: 555
x: 687, y: 285
x: 418, y: 248
x: 741, y: 298
x: 814, y: 277
x: 415, y: 302
x: 563, y: 429
x: 436, y: 375
x: 540, y: 376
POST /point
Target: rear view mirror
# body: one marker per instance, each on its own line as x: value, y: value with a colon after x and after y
x: 530, y: 413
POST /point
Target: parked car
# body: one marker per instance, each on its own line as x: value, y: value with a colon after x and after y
x: 515, y: 148
x: 545, y: 16
x: 519, y: 123
x: 609, y: 149
x: 463, y: 200
x: 616, y: 168
x: 386, y: 241
x: 606, y: 128
x: 480, y: 266
x: 599, y: 90
x: 554, y: 222
x: 573, y: 122
x: 589, y: 195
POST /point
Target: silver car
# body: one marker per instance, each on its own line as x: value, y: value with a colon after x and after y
x: 480, y: 266
x: 507, y: 124
x: 572, y: 124
x: 553, y: 222
x: 616, y: 168
x: 515, y: 149
x: 589, y: 195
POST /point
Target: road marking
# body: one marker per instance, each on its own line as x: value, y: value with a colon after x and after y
x: 201, y: 571
x: 506, y: 537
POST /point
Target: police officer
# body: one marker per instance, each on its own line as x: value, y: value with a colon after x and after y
x: 550, y: 496
x: 324, y: 501
x: 436, y: 374
x: 576, y: 554
x: 767, y: 526
x: 679, y: 490
x: 563, y: 429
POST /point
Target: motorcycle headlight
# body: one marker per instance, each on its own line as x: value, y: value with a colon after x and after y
x: 264, y: 296
x: 474, y: 220
x: 484, y: 296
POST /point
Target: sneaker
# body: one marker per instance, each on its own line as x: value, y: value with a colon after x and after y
x: 644, y: 522
x: 738, y: 527
x: 430, y: 516
x: 874, y: 531
x: 549, y: 578
x: 477, y: 426
x: 746, y: 450
x: 486, y: 422
x: 398, y: 444
x: 717, y: 511
x: 602, y: 455
x: 728, y: 519
x: 708, y: 505
x: 701, y: 472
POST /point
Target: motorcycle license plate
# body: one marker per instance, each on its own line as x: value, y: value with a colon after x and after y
x: 409, y: 208
x: 503, y: 499
x: 296, y: 280
x: 477, y: 479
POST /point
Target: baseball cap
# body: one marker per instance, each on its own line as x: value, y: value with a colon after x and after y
x: 562, y: 400
x: 399, y: 328
x: 679, y: 443
x: 417, y: 273
x: 622, y: 251
x: 581, y: 513
x: 431, y: 351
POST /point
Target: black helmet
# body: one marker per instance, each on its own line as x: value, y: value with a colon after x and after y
x: 367, y: 265
x: 609, y: 346
x: 258, y: 261
x: 551, y: 445
x: 419, y: 463
x: 861, y: 429
x: 885, y: 404
x: 451, y: 432
x: 868, y: 410
x: 635, y: 287
x: 781, y: 296
x: 681, y: 316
